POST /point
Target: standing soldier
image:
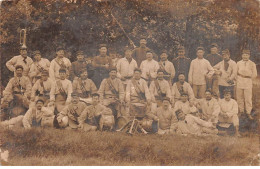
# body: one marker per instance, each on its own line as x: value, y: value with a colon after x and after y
x: 138, y: 97
x: 149, y: 67
x: 227, y: 72
x: 126, y: 67
x: 200, y: 69
x: 213, y: 58
x: 101, y: 63
x: 38, y: 66
x: 181, y: 87
x: 181, y: 63
x: 167, y: 67
x: 246, y: 72
x: 42, y: 87
x: 159, y: 89
x: 61, y: 90
x: 139, y: 54
x: 69, y: 117
x: 60, y: 62
x: 22, y: 59
x: 112, y: 93
x: 78, y: 66
x: 18, y: 89
x: 83, y: 85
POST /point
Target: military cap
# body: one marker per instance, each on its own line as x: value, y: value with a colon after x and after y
x: 112, y: 69
x: 45, y: 72
x: 138, y: 70
x: 164, y: 51
x: 149, y: 51
x: 18, y: 67
x: 167, y: 98
x: 227, y: 91
x: 214, y: 45
x: 95, y: 94
x: 246, y: 51
x: 74, y: 94
x: 181, y: 48
x: 225, y: 52
x: 62, y: 70
x: 23, y: 47
x: 102, y: 45
x: 200, y: 48
x: 79, y: 52
x: 36, y: 52
x: 40, y: 100
x: 60, y: 48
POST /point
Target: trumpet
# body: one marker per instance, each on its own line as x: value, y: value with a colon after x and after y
x: 23, y: 38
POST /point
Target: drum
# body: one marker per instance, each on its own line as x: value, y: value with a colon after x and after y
x: 147, y: 124
x: 122, y: 121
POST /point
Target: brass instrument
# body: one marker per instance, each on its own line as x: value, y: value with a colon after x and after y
x: 23, y: 38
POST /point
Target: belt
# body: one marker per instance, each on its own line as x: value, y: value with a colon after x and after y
x: 248, y: 77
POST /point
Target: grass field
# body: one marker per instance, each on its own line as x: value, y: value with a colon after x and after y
x: 62, y: 147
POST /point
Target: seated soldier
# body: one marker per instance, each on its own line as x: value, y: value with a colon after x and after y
x: 190, y: 124
x: 164, y: 116
x: 38, y: 116
x: 181, y: 86
x: 159, y: 89
x: 42, y: 87
x: 138, y: 97
x: 209, y: 108
x: 112, y: 93
x: 228, y: 112
x: 18, y: 89
x: 184, y: 105
x: 60, y: 94
x: 83, y: 85
x: 71, y: 112
x: 90, y: 117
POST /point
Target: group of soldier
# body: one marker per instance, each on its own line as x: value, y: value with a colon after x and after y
x: 96, y: 94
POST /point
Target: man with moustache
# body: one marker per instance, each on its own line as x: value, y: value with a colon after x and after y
x: 167, y: 67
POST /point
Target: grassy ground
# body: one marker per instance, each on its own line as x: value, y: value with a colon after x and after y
x: 62, y: 147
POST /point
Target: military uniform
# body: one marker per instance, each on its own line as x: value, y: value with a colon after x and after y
x: 100, y: 72
x: 77, y: 67
x: 56, y: 65
x: 20, y: 60
x: 139, y: 54
x: 184, y: 107
x: 84, y: 87
x: 61, y: 93
x: 168, y: 70
x: 178, y: 89
x: 73, y: 113
x: 111, y: 92
x: 181, y: 65
x: 150, y: 67
x: 42, y: 88
x: 230, y: 109
x: 36, y: 118
x: 37, y: 68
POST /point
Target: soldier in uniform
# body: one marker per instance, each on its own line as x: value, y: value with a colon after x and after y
x: 181, y: 63
x: 209, y: 108
x: 246, y: 72
x: 181, y: 86
x: 38, y: 66
x: 79, y: 65
x: 22, y: 60
x: 90, y: 117
x: 159, y: 89
x: 112, y: 93
x: 38, y: 116
x: 139, y: 54
x: 149, y: 67
x: 60, y: 94
x: 164, y: 117
x: 214, y: 58
x: 101, y: 64
x: 138, y: 97
x: 60, y: 62
x: 200, y: 69
x: 42, y: 88
x: 167, y: 67
x: 227, y: 72
x: 83, y: 85
x: 18, y: 89
x: 184, y: 105
x: 126, y: 67
x: 69, y: 116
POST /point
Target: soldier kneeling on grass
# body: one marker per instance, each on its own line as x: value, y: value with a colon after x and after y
x: 68, y: 117
x: 95, y: 116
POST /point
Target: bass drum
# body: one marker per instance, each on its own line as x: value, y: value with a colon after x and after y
x: 147, y: 124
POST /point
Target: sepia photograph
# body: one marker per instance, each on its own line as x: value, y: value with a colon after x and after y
x: 130, y: 82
